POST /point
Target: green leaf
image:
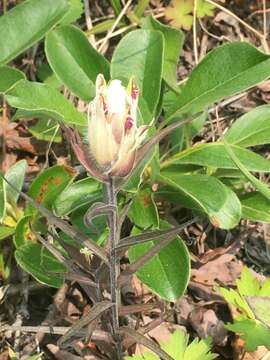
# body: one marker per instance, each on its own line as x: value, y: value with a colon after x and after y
x: 141, y: 6
x: 208, y: 194
x: 253, y: 333
x: 9, y: 77
x: 260, y: 306
x: 140, y: 55
x: 102, y: 26
x: 23, y: 232
x: 46, y: 130
x: 74, y: 13
x: 76, y: 195
x: 26, y: 24
x: 263, y: 188
x: 38, y: 262
x: 6, y: 231
x: 255, y: 207
x: 173, y: 43
x: 251, y: 129
x: 143, y: 211
x: 50, y: 183
x: 15, y: 175
x: 3, y: 198
x: 41, y: 99
x: 179, y: 13
x: 47, y: 76
x: 75, y: 61
x: 116, y: 4
x: 247, y: 285
x: 204, y: 9
x: 199, y: 349
x: 166, y: 274
x: 235, y: 299
x: 225, y: 71
x: 215, y: 155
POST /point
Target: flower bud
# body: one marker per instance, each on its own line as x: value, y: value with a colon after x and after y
x: 113, y: 134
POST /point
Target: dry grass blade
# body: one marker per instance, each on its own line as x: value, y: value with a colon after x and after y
x: 93, y: 314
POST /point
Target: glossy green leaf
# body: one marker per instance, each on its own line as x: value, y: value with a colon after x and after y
x: 6, y: 231
x: 225, y: 71
x: 26, y: 24
x: 9, y: 77
x: 23, y: 232
x: 76, y: 195
x: 41, y: 99
x: 167, y: 273
x: 38, y: 262
x: 172, y: 46
x: 207, y: 194
x: 215, y: 155
x: 253, y: 333
x: 74, y: 13
x: 260, y: 186
x: 75, y: 61
x: 3, y: 198
x: 49, y: 184
x: 251, y: 129
x: 15, y: 175
x: 143, y: 211
x: 255, y: 207
x: 140, y: 55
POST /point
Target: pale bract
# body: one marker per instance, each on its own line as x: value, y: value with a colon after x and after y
x: 113, y: 134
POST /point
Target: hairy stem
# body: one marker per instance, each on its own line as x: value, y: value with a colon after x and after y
x: 113, y: 261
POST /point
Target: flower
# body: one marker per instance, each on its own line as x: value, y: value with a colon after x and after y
x: 113, y: 134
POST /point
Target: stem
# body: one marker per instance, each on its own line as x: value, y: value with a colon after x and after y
x: 114, y: 264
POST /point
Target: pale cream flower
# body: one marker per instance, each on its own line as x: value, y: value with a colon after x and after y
x: 113, y: 134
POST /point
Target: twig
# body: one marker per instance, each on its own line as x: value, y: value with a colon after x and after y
x: 257, y: 33
x: 89, y: 22
x: 119, y: 17
x: 195, y: 48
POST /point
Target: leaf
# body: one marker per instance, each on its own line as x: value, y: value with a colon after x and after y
x: 9, y: 77
x: 253, y: 333
x: 41, y: 99
x: 235, y: 299
x: 208, y: 194
x: 75, y: 62
x: 50, y: 183
x: 74, y: 13
x: 224, y: 71
x: 254, y: 181
x: 166, y: 274
x: 253, y: 128
x: 26, y: 24
x: 141, y: 6
x: 199, y: 349
x: 215, y: 155
x: 116, y: 4
x: 179, y: 14
x: 15, y: 175
x: 38, y: 262
x: 76, y: 195
x: 260, y: 306
x: 46, y: 130
x: 204, y: 8
x: 143, y: 211
x: 23, y: 233
x: 46, y: 75
x: 5, y: 231
x: 140, y: 55
x: 255, y: 207
x: 3, y: 198
x: 173, y: 42
x: 247, y: 285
